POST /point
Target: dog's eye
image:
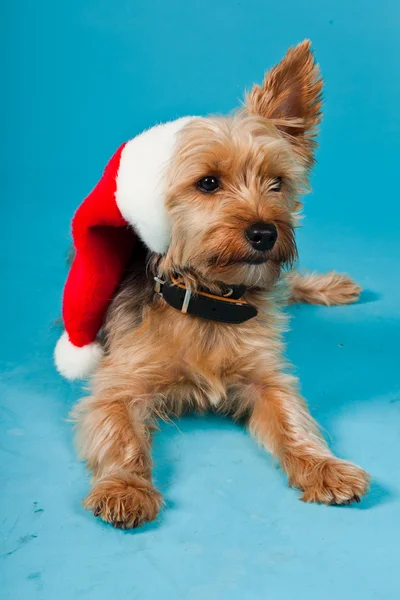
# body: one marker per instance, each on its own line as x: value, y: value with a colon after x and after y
x: 208, y: 184
x: 276, y: 185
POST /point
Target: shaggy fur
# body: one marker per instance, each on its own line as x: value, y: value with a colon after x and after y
x: 160, y: 362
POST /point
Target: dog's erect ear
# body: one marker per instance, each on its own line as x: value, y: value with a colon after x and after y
x: 291, y: 95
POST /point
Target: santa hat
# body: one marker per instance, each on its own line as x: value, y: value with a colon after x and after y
x: 128, y: 201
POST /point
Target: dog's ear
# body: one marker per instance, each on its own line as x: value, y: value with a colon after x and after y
x: 291, y: 95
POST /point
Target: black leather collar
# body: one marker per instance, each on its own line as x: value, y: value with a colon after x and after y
x: 225, y: 309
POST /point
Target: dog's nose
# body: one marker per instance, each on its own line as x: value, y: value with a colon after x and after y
x: 262, y: 236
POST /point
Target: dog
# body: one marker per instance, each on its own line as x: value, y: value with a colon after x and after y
x: 233, y: 199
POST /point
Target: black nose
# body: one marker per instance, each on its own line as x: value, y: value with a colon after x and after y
x: 262, y: 236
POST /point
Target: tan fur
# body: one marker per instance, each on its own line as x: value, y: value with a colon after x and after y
x: 161, y: 363
x: 329, y: 289
x: 291, y: 96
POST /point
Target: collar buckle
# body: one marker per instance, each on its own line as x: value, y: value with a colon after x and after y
x: 158, y: 284
x: 186, y: 300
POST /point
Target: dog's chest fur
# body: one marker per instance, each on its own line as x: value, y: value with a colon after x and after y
x: 185, y: 359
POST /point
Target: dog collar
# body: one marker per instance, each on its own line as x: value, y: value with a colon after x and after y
x: 225, y: 309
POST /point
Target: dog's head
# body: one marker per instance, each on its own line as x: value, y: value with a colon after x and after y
x: 234, y: 182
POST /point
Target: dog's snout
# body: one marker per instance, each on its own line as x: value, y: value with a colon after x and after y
x: 262, y: 236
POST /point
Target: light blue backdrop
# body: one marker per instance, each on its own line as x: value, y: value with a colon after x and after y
x: 81, y: 77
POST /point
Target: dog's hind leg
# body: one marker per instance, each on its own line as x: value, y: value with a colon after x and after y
x: 329, y: 289
x: 114, y: 437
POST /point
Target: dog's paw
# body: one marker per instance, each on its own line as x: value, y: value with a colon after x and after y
x: 329, y: 289
x: 125, y: 502
x: 341, y: 289
x: 334, y: 481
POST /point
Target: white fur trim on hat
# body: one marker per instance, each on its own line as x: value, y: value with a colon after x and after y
x: 74, y: 362
x: 141, y: 182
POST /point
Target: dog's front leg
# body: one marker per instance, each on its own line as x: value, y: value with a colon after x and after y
x: 329, y: 289
x: 113, y: 436
x: 280, y: 419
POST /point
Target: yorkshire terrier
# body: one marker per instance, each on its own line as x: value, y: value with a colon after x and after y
x: 234, y: 185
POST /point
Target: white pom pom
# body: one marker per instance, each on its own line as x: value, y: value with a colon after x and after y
x: 74, y: 362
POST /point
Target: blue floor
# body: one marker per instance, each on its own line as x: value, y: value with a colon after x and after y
x: 84, y: 75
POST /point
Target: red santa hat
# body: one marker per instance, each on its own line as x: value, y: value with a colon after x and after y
x: 128, y: 201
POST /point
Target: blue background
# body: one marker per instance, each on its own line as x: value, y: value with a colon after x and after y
x: 81, y: 77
